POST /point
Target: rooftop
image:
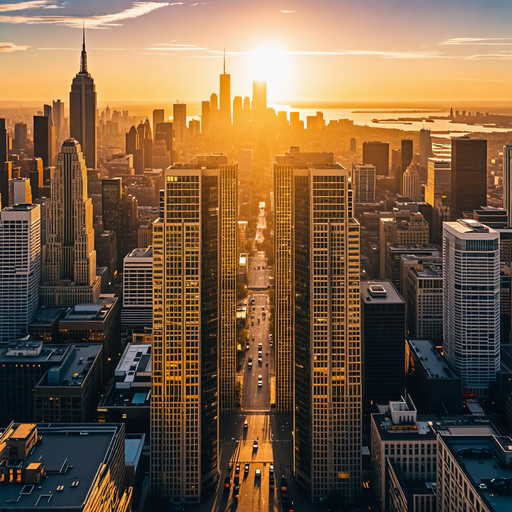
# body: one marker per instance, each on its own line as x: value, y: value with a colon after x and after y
x: 431, y: 360
x: 141, y: 253
x: 136, y: 359
x: 380, y: 292
x: 414, y: 248
x: 70, y: 453
x: 423, y: 271
x: 33, y: 352
x: 482, y: 470
x: 469, y: 226
x: 91, y: 312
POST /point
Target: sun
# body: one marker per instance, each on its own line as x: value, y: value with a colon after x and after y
x: 272, y: 65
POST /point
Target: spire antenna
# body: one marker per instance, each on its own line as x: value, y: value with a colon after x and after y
x: 83, y: 59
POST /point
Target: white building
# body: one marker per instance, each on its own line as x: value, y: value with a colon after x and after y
x: 471, y: 302
x: 20, y: 268
x: 507, y: 180
x: 412, y: 183
x: 363, y: 183
x: 137, y: 312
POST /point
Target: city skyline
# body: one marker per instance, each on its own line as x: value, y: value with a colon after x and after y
x: 412, y: 53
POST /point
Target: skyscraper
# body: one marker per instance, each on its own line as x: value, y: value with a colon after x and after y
x: 82, y: 111
x: 205, y: 117
x: 225, y: 98
x: 469, y: 175
x: 317, y: 304
x: 58, y: 118
x: 4, y: 157
x: 158, y: 117
x: 259, y: 101
x: 20, y: 137
x: 377, y: 153
x: 180, y: 122
x: 69, y: 267
x: 425, y: 151
x: 406, y: 153
x: 194, y: 320
x: 411, y: 183
x: 214, y: 110
x: 363, y: 183
x: 471, y: 302
x: 20, y: 268
x: 238, y: 112
x: 507, y: 181
x: 44, y: 140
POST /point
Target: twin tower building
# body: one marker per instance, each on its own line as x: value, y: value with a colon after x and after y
x: 317, y: 319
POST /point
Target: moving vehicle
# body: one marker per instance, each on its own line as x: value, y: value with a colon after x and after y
x: 246, y: 467
x: 260, y: 346
x: 247, y: 346
x: 227, y: 482
x: 260, y: 381
x: 260, y: 358
x: 258, y: 473
x: 246, y: 424
x: 259, y: 319
x: 271, y: 470
x: 249, y: 362
x: 255, y: 445
x: 237, y: 469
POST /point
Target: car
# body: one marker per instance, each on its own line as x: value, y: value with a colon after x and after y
x: 227, y: 482
x: 258, y: 473
x: 284, y: 482
x: 253, y: 336
x: 247, y: 346
x: 236, y: 480
x: 260, y: 381
x: 258, y: 267
x: 246, y: 424
x: 260, y: 346
x: 255, y: 445
x: 271, y: 470
x: 236, y: 492
x: 252, y: 316
x: 230, y: 466
x: 249, y: 362
x: 291, y: 507
x: 260, y: 358
x: 259, y: 319
x: 262, y: 308
x: 271, y: 481
x: 75, y: 376
x: 237, y: 469
x: 246, y: 467
x: 254, y: 308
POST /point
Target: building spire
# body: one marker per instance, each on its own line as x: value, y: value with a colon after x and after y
x: 83, y: 60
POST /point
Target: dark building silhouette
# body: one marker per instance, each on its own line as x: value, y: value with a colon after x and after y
x: 167, y: 129
x: 205, y: 117
x: 383, y: 342
x: 135, y: 148
x: 4, y: 157
x: 158, y: 117
x: 82, y: 111
x: 58, y: 118
x: 20, y: 137
x: 44, y: 140
x: 469, y: 175
x: 377, y: 153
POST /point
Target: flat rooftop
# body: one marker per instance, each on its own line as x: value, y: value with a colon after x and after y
x: 50, y: 354
x: 136, y: 358
x: 91, y: 312
x: 141, y: 253
x: 431, y: 360
x: 469, y: 226
x: 70, y: 453
x: 413, y: 248
x: 421, y: 429
x: 48, y: 315
x: 388, y: 296
x: 428, y: 271
x: 482, y: 470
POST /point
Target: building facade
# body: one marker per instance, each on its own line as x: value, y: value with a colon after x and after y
x: 363, y: 183
x: 471, y: 302
x: 20, y: 268
x: 194, y: 326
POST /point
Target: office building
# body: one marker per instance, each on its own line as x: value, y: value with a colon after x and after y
x: 406, y: 153
x: 238, y: 111
x: 205, y: 117
x: 73, y: 467
x: 383, y: 344
x: 399, y: 436
x: 20, y: 268
x: 180, y: 122
x: 471, y: 303
x: 433, y: 386
x: 363, y: 183
x: 69, y: 266
x: 412, y: 184
x: 353, y: 145
x: 137, y: 311
x: 317, y: 332
x: 424, y: 284
x: 58, y: 119
x: 259, y: 101
x: 20, y: 191
x: 20, y: 137
x: 82, y: 111
x: 194, y: 267
x: 214, y: 111
x: 474, y: 473
x: 492, y: 217
x: 507, y: 180
x: 165, y: 131
x: 439, y: 182
x: 106, y: 253
x: 128, y: 397
x: 44, y: 140
x: 377, y: 153
x: 245, y: 163
x: 469, y: 175
x: 225, y: 98
x: 425, y: 151
x: 158, y: 117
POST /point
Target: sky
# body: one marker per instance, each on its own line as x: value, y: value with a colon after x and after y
x: 307, y: 50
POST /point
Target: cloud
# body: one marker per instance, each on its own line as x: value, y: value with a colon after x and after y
x: 483, y: 41
x: 287, y: 12
x: 35, y: 4
x: 10, y: 47
x: 158, y: 53
x: 176, y: 48
x: 106, y: 20
x: 490, y: 56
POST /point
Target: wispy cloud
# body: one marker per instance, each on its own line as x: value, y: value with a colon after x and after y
x: 35, y: 4
x: 158, y: 53
x: 106, y: 20
x: 481, y: 41
x: 491, y: 56
x: 10, y: 47
x: 469, y: 79
x: 287, y: 12
x: 377, y: 53
x: 176, y: 48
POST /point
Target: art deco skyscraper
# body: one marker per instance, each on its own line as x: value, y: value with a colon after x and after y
x: 317, y: 304
x: 82, y: 111
x: 194, y: 325
x: 69, y: 266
